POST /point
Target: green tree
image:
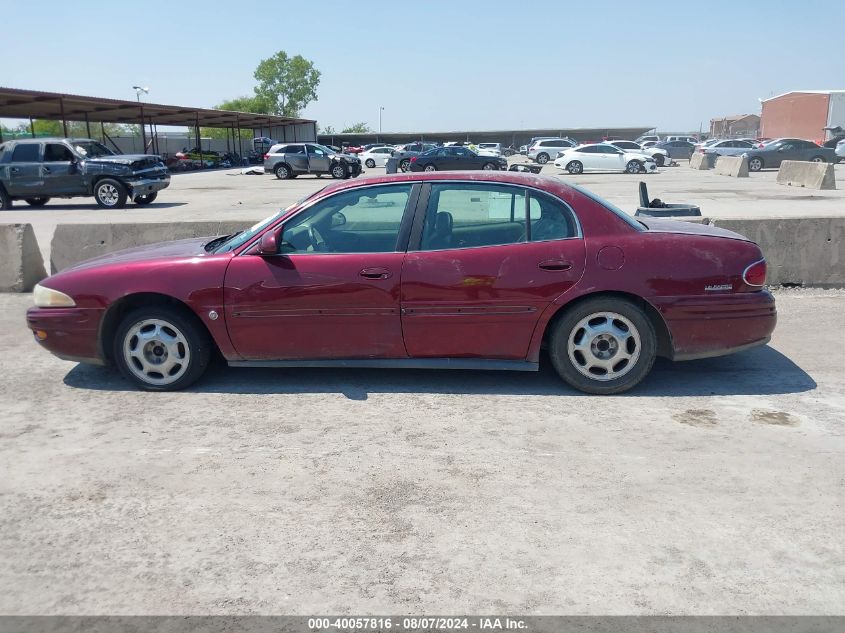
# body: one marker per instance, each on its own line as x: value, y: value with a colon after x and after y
x: 286, y: 84
x: 328, y: 130
x: 357, y: 128
x: 255, y: 104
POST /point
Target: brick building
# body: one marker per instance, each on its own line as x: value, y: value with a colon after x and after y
x: 807, y: 114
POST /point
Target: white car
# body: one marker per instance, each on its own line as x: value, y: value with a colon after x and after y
x: 489, y: 149
x: 376, y: 156
x: 603, y: 157
x: 660, y: 156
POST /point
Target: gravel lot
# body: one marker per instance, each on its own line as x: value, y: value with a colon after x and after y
x: 715, y: 488
x: 229, y: 195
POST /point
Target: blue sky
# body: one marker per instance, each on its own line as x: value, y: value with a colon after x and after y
x: 439, y: 66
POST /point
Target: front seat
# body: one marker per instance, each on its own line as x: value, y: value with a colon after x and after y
x: 441, y: 236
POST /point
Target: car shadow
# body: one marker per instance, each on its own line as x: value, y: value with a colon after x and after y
x: 95, y: 207
x: 761, y: 371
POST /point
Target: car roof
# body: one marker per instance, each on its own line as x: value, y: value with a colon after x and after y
x: 50, y: 139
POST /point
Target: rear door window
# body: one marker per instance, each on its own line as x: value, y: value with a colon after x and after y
x: 26, y: 153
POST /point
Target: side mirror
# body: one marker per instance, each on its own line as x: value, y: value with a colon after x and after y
x: 269, y: 243
x: 338, y: 219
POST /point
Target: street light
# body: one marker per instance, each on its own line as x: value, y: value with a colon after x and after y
x: 138, y: 90
x: 380, y: 110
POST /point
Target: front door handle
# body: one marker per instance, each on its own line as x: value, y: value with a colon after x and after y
x: 555, y: 265
x: 46, y: 170
x: 14, y: 170
x: 376, y: 273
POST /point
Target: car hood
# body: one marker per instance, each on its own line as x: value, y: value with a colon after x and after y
x: 192, y: 247
x: 126, y: 159
x: 659, y: 225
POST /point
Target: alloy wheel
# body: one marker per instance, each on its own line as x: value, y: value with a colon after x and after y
x: 604, y: 346
x: 108, y: 194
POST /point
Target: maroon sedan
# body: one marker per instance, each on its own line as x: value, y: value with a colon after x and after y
x: 477, y: 270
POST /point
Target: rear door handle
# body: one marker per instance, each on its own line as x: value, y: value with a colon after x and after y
x: 376, y: 273
x: 555, y: 265
x: 46, y: 170
x: 14, y: 170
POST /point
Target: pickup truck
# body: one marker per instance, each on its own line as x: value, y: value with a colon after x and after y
x: 37, y: 169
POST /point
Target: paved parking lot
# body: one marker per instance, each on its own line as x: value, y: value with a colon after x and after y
x: 713, y: 488
x: 229, y: 195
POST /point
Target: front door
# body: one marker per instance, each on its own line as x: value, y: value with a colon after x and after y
x: 332, y: 291
x: 59, y: 170
x: 24, y: 170
x: 318, y: 160
x: 478, y: 276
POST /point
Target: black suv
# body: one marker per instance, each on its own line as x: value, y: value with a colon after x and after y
x: 38, y: 169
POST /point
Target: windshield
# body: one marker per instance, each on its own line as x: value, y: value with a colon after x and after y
x: 92, y: 149
x: 242, y: 237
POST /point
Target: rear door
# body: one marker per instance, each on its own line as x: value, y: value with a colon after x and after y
x: 296, y: 157
x: 478, y: 275
x: 24, y: 170
x: 59, y: 170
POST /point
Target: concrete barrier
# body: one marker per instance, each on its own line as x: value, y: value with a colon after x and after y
x: 735, y: 166
x: 796, y: 173
x: 799, y: 251
x: 74, y: 243
x: 21, y: 264
x: 699, y: 161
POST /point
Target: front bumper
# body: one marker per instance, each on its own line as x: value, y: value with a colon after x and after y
x: 69, y: 333
x: 716, y: 325
x: 145, y: 186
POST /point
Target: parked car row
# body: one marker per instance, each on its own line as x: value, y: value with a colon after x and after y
x: 769, y: 153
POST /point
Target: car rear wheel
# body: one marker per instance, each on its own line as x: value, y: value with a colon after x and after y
x: 603, y: 346
x: 575, y: 167
x: 429, y: 168
x: 404, y: 164
x: 282, y: 172
x: 5, y: 200
x: 146, y: 199
x: 37, y: 202
x: 339, y: 171
x: 110, y: 194
x: 755, y: 164
x: 542, y: 158
x: 634, y: 167
x: 488, y: 167
x: 817, y: 159
x: 370, y: 163
x: 160, y: 348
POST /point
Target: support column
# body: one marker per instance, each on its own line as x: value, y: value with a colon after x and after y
x: 199, y: 140
x: 87, y: 125
x: 62, y: 110
x: 143, y: 131
x: 31, y: 127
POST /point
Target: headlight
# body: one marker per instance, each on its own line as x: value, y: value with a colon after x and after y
x: 44, y: 297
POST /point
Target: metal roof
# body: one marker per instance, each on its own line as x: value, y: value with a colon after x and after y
x: 23, y: 104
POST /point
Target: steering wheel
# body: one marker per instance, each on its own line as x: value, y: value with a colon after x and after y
x: 317, y: 241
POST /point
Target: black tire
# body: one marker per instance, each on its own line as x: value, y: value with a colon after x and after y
x: 542, y: 158
x: 146, y: 199
x: 489, y: 167
x: 405, y: 164
x: 575, y: 167
x: 5, y: 200
x: 282, y: 172
x: 660, y: 160
x: 339, y: 171
x: 370, y: 163
x: 37, y: 202
x: 634, y: 167
x: 196, y: 347
x: 110, y: 194
x: 818, y: 159
x: 584, y: 372
x: 755, y: 163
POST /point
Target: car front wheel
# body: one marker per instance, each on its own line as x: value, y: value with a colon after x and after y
x: 488, y: 167
x: 429, y: 168
x: 603, y: 346
x: 659, y: 159
x: 404, y: 164
x: 817, y: 159
x: 370, y: 163
x: 110, y: 194
x: 633, y: 167
x: 160, y: 348
x: 755, y: 164
x: 339, y: 171
x: 5, y: 200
